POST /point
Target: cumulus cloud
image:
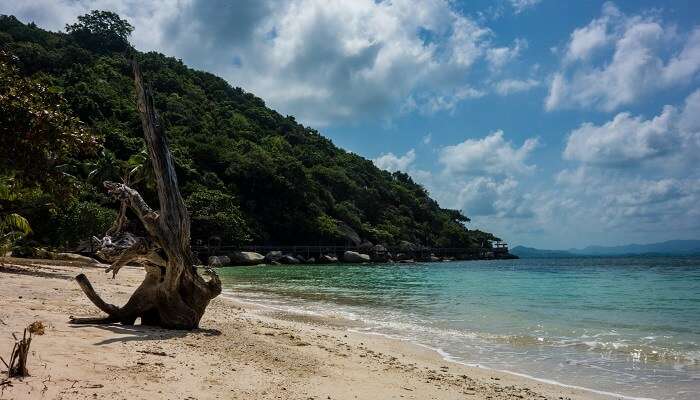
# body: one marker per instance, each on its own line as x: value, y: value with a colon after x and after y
x: 391, y: 162
x: 510, y: 86
x: 636, y: 176
x: 629, y: 140
x: 319, y: 60
x: 636, y: 46
x: 492, y: 155
x: 501, y: 56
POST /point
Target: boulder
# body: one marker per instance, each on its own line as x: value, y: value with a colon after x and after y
x: 327, y: 259
x: 349, y: 234
x: 219, y: 261
x: 432, y: 258
x: 76, y: 257
x: 301, y: 258
x: 246, y: 258
x: 365, y: 247
x: 273, y: 256
x: 287, y: 259
x: 355, y: 257
x: 407, y: 261
x: 379, y: 253
x: 310, y: 260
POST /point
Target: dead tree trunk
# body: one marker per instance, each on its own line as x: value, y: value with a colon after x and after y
x: 173, y: 294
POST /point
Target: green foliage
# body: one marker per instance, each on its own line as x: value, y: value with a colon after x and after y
x: 101, y: 31
x: 215, y: 213
x: 247, y: 172
x: 12, y: 226
x: 81, y: 220
x: 38, y: 133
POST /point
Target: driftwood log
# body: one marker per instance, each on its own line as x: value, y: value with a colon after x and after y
x: 172, y: 295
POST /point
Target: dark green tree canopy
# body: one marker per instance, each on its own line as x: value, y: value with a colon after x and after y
x: 101, y: 31
x: 246, y: 172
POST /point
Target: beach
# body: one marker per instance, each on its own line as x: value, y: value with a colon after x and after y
x: 239, y: 352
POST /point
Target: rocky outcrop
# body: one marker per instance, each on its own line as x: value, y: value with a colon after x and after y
x: 379, y: 253
x: 355, y: 257
x: 287, y: 259
x: 349, y: 234
x: 273, y: 256
x: 219, y: 261
x: 246, y: 258
x: 327, y: 259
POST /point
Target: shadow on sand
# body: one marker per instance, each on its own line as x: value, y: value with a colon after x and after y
x: 131, y: 333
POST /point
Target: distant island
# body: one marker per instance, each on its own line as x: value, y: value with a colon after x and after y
x: 670, y: 247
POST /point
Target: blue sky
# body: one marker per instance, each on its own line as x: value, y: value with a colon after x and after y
x: 551, y: 123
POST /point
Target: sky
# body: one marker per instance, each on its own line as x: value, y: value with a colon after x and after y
x: 552, y: 124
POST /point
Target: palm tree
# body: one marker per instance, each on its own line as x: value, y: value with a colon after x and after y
x: 12, y: 226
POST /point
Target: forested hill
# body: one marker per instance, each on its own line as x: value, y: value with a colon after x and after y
x: 248, y: 174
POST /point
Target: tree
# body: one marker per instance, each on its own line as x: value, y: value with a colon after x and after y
x: 173, y: 294
x: 101, y: 31
x: 12, y: 225
x: 38, y: 133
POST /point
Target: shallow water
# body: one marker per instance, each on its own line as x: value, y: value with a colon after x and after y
x: 621, y: 325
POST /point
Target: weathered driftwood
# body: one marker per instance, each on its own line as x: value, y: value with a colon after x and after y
x: 173, y: 294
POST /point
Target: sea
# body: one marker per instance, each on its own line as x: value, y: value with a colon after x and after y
x: 628, y: 326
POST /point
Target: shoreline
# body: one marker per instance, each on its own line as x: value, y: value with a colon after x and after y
x: 441, y: 353
x: 238, y: 352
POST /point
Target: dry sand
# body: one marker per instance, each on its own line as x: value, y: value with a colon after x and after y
x: 239, y: 352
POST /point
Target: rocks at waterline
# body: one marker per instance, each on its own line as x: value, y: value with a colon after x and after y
x: 273, y: 256
x: 219, y: 261
x: 246, y: 258
x: 355, y: 257
x: 380, y: 254
x: 327, y: 259
x: 287, y: 259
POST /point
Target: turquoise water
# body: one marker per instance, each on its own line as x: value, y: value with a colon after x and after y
x: 622, y: 325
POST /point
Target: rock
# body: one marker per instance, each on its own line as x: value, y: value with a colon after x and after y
x: 310, y: 260
x: 349, y: 234
x: 379, y: 253
x: 403, y: 256
x: 432, y: 258
x: 287, y: 259
x: 407, y: 261
x: 273, y: 256
x: 365, y: 247
x: 75, y: 257
x: 326, y: 259
x: 301, y: 258
x: 246, y: 258
x: 218, y: 261
x: 355, y: 257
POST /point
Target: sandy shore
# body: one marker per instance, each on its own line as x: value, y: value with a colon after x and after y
x: 240, y: 352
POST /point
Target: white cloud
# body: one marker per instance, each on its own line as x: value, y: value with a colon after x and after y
x: 492, y: 155
x: 637, y: 65
x: 635, y: 177
x: 510, y: 86
x: 427, y: 138
x: 522, y: 5
x: 392, y: 162
x: 584, y: 41
x: 627, y: 140
x: 319, y: 60
x: 501, y: 56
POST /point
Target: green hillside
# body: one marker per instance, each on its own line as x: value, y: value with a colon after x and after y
x: 249, y: 174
